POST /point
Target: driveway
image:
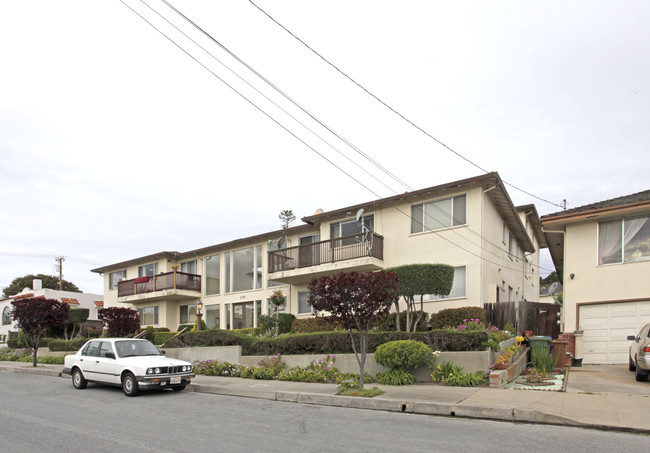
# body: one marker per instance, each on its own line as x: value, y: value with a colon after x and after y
x: 605, y: 379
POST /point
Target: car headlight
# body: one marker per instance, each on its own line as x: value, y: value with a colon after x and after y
x: 187, y: 368
x: 153, y: 370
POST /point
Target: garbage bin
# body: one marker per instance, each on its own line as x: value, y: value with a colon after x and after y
x: 559, y: 352
x: 539, y: 343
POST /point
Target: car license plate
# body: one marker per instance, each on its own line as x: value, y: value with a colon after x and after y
x: 175, y: 380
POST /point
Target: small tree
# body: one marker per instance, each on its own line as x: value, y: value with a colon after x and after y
x: 76, y: 317
x: 120, y: 321
x: 418, y: 280
x: 35, y: 316
x: 355, y: 299
x: 286, y: 217
x: 20, y: 283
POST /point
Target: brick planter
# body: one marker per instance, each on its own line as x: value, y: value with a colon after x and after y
x: 499, y: 378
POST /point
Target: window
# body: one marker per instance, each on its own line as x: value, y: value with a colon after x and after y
x: 92, y: 349
x: 148, y: 315
x: 115, y: 277
x: 105, y: 349
x: 624, y: 240
x: 212, y: 275
x: 303, y: 306
x: 504, y: 234
x: 458, y: 289
x: 438, y: 214
x: 213, y: 316
x: 511, y: 245
x: 189, y: 267
x: 6, y: 316
x: 349, y: 228
x: 244, y: 269
x: 148, y: 270
x: 187, y: 314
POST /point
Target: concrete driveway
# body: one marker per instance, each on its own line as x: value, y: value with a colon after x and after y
x: 605, y: 379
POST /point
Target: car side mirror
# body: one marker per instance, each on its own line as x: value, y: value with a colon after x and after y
x: 162, y: 351
x: 110, y: 355
x: 631, y: 337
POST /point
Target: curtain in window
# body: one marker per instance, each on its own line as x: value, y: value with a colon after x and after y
x: 609, y: 242
x: 632, y: 228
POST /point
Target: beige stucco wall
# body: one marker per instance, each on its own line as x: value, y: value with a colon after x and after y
x: 594, y: 283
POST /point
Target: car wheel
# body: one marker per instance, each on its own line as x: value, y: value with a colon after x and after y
x: 640, y: 375
x: 78, y: 380
x: 130, y: 385
x: 180, y: 388
x: 631, y: 365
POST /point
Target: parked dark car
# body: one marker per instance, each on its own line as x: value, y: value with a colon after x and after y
x: 640, y: 353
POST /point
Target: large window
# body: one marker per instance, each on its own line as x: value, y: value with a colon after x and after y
x: 244, y: 269
x: 438, y: 214
x: 350, y: 227
x: 6, y: 316
x: 624, y: 240
x: 213, y: 316
x: 189, y: 267
x: 212, y: 275
x: 148, y: 316
x: 303, y: 306
x: 187, y: 314
x: 148, y: 270
x: 114, y: 278
x: 458, y: 289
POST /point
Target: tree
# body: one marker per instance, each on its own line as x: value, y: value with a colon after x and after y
x: 20, y: 283
x: 286, y: 217
x: 550, y: 278
x: 418, y: 280
x: 76, y: 316
x: 35, y: 316
x: 355, y: 299
x: 120, y: 321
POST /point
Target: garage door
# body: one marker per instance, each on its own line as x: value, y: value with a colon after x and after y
x: 606, y: 327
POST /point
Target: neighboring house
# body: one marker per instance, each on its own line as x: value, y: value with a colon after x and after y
x: 469, y: 224
x: 602, y: 255
x: 93, y: 302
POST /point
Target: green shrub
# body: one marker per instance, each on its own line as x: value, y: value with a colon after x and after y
x: 543, y: 362
x: 275, y: 363
x: 268, y: 324
x: 161, y: 338
x: 396, y: 376
x: 217, y: 368
x: 67, y: 345
x: 452, y: 374
x: 315, y: 324
x: 185, y: 326
x: 51, y: 360
x: 150, y: 332
x: 285, y: 322
x: 452, y: 317
x: 9, y: 355
x: 403, y: 354
x: 386, y: 321
x: 445, y: 370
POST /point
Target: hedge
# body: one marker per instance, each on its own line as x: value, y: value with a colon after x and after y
x: 384, y: 323
x: 453, y: 317
x: 67, y: 345
x: 327, y: 342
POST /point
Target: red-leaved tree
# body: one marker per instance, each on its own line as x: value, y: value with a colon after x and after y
x: 35, y: 316
x: 355, y: 299
x: 120, y: 321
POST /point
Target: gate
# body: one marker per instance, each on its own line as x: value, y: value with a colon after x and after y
x: 540, y: 318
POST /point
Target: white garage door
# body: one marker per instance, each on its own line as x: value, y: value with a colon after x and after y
x: 606, y: 327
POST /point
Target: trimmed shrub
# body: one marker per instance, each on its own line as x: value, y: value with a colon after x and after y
x: 67, y: 345
x: 285, y: 322
x: 162, y: 337
x: 452, y: 317
x: 386, y: 322
x: 403, y: 355
x: 185, y: 326
x: 316, y: 324
x: 150, y: 332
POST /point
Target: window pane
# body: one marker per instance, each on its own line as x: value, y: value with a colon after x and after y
x: 258, y: 267
x: 189, y: 267
x: 212, y: 316
x: 460, y: 212
x: 227, y: 264
x: 148, y: 270
x: 212, y: 274
x: 114, y: 278
x: 610, y: 236
x: 417, y: 221
x: 242, y: 269
x: 183, y: 318
x: 303, y: 306
x: 637, y: 239
x: 437, y: 214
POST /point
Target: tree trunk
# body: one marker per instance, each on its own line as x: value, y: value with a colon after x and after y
x: 359, y: 354
x: 417, y: 321
x: 36, y: 340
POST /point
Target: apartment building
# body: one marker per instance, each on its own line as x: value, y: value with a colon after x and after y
x: 470, y: 224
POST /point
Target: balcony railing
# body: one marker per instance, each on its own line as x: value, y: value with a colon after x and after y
x: 338, y: 249
x: 160, y: 282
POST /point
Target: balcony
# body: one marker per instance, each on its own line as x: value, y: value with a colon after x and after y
x: 357, y: 252
x: 169, y: 285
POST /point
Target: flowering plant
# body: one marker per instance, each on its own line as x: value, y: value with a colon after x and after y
x: 277, y: 298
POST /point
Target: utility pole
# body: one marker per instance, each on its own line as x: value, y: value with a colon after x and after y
x: 60, y: 260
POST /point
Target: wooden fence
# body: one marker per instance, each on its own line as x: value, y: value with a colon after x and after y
x: 541, y: 319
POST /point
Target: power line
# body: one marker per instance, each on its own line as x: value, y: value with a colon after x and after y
x: 292, y: 133
x: 392, y: 109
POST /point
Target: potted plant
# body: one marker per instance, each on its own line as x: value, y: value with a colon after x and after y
x: 504, y: 360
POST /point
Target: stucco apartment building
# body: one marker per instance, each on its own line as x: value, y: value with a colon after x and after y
x: 602, y: 255
x: 470, y: 224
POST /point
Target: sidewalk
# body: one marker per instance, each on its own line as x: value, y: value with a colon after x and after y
x: 597, y: 396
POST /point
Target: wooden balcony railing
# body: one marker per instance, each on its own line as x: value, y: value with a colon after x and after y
x: 160, y: 282
x: 331, y: 251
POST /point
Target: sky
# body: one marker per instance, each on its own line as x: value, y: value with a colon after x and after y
x: 117, y: 141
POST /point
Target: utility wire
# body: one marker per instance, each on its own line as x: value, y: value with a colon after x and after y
x: 295, y: 136
x: 392, y: 109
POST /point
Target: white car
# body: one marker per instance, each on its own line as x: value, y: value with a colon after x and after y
x: 131, y: 363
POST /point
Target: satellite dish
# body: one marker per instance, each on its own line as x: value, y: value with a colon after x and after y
x: 281, y: 242
x: 359, y: 214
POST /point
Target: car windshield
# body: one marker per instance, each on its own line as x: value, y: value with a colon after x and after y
x: 130, y: 348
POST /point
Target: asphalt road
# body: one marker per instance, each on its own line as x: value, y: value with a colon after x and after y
x: 46, y: 414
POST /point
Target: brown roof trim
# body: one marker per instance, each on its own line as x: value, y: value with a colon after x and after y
x: 131, y: 262
x: 635, y: 200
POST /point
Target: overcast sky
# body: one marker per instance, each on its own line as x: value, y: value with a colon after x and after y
x: 114, y: 143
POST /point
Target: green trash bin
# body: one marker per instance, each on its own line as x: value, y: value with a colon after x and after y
x: 539, y: 343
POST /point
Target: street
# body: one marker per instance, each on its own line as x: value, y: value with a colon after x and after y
x: 42, y: 413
